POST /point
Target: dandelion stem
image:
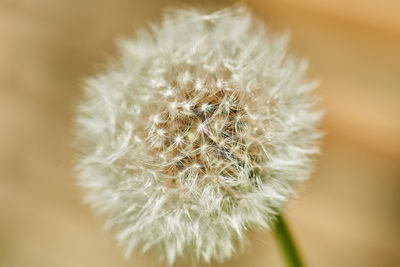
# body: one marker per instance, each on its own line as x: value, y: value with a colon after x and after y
x: 286, y: 243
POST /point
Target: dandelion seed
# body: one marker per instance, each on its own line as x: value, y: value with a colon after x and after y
x: 178, y: 139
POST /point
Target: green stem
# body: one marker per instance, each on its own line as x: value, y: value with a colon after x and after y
x: 286, y: 243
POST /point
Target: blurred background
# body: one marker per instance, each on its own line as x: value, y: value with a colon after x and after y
x: 348, y: 214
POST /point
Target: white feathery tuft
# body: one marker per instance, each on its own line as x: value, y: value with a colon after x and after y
x: 196, y: 133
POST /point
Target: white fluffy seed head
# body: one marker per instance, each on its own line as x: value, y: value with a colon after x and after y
x: 196, y: 133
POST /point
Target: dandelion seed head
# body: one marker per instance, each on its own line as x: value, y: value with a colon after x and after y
x: 196, y: 134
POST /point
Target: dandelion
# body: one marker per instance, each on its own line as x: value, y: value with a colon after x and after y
x: 196, y: 134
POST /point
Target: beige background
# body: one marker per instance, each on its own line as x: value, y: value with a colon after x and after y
x: 348, y: 214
